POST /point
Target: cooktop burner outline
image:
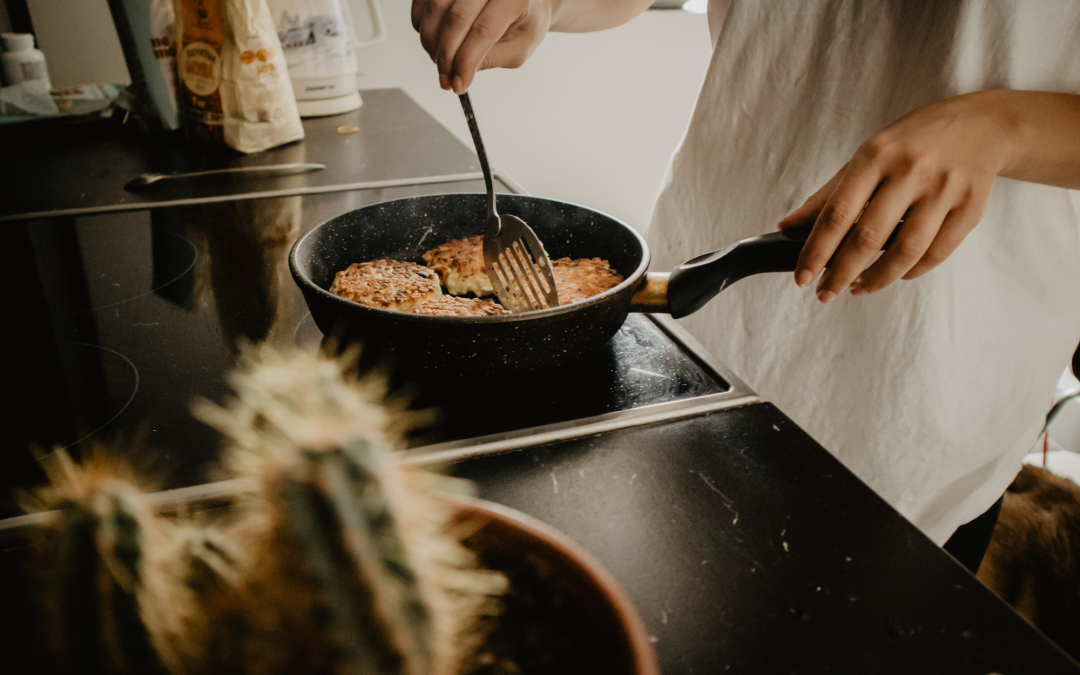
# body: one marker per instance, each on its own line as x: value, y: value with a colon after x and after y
x: 306, y: 335
x: 154, y: 289
x: 127, y: 403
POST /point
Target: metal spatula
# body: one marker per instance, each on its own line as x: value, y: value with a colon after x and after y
x: 514, y: 258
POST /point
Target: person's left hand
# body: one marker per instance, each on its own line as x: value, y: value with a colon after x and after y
x: 932, y: 168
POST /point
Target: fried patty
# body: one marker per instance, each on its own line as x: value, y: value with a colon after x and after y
x: 453, y: 306
x: 576, y: 280
x: 460, y: 266
x: 387, y: 284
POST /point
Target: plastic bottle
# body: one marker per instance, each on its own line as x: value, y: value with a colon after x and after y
x: 21, y: 61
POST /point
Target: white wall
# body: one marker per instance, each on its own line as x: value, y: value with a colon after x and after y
x: 590, y: 118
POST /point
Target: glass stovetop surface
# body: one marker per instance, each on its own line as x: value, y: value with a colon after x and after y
x: 116, y: 323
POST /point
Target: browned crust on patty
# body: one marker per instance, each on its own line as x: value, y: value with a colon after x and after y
x: 460, y: 266
x: 387, y: 284
x: 454, y: 306
x: 577, y: 280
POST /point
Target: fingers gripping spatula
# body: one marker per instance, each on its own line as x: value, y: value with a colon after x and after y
x: 514, y: 258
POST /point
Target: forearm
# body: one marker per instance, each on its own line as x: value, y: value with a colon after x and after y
x: 583, y: 16
x: 1043, y: 132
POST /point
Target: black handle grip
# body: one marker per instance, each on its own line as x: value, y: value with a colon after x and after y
x: 698, y: 280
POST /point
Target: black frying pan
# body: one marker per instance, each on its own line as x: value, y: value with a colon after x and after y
x: 404, y: 229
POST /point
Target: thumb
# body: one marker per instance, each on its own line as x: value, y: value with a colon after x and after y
x: 508, y: 53
x: 501, y: 55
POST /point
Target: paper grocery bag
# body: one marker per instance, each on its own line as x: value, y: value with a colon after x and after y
x: 233, y: 75
x: 256, y: 93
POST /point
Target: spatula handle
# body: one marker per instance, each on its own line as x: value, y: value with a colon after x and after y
x: 478, y: 143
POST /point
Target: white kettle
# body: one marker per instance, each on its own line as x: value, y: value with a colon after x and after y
x: 320, y: 48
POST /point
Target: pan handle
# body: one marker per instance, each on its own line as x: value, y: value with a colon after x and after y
x: 698, y: 280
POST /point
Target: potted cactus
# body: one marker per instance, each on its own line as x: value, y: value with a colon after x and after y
x: 338, y: 559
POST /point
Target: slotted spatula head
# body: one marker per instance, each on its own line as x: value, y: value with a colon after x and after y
x: 518, y: 266
x: 514, y: 258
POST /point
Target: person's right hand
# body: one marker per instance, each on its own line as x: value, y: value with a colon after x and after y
x: 463, y: 36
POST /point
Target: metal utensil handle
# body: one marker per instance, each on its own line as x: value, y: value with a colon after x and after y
x: 266, y: 168
x: 698, y: 280
x: 470, y: 117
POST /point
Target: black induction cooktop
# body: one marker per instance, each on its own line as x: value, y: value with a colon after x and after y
x: 117, y: 322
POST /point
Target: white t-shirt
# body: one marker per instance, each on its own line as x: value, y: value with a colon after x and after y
x: 932, y: 390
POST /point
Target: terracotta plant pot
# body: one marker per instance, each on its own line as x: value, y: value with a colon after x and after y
x: 565, y: 613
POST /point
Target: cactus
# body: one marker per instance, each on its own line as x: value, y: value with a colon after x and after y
x: 355, y: 551
x: 112, y: 574
x: 342, y: 561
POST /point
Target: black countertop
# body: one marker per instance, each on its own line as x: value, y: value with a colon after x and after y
x: 747, y: 548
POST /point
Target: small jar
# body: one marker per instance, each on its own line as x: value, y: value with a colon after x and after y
x: 21, y: 61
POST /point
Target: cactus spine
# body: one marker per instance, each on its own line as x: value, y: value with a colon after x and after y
x: 386, y: 580
x: 341, y: 561
x: 113, y: 575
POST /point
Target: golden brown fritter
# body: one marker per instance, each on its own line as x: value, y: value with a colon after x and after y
x: 460, y: 266
x: 454, y: 306
x: 576, y: 280
x: 387, y: 284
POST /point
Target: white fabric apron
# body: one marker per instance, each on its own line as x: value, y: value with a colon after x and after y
x: 932, y: 390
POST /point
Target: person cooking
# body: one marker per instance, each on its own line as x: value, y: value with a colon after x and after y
x: 959, y: 118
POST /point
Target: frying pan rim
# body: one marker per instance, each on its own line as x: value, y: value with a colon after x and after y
x: 303, y: 279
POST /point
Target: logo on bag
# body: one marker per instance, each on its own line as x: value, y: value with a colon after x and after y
x: 264, y: 58
x: 200, y: 68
